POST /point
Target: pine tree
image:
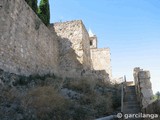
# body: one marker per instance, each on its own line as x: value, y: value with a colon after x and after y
x: 44, y: 12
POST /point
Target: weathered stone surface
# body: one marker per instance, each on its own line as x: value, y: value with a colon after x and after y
x: 86, y: 48
x: 75, y: 58
x: 74, y: 45
x: 97, y: 75
x: 144, y: 74
x: 101, y: 60
x: 26, y: 45
x: 143, y: 86
x: 93, y: 40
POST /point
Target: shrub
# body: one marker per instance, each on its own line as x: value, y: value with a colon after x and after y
x: 83, y: 85
x: 10, y: 95
x: 39, y: 97
x: 9, y: 103
x: 96, y: 97
x: 116, y: 97
x: 46, y: 102
x: 80, y: 112
x: 103, y: 105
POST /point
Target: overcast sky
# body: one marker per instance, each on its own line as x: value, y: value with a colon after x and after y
x: 130, y: 28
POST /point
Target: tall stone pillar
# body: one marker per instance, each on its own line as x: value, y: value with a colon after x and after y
x: 145, y: 88
x: 136, y: 81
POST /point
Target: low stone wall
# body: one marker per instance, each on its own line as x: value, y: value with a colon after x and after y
x: 26, y: 45
x: 143, y: 87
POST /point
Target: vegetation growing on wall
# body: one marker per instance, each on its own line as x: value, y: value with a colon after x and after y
x: 44, y: 12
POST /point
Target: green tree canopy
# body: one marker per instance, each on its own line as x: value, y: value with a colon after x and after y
x: 33, y: 5
x: 44, y: 12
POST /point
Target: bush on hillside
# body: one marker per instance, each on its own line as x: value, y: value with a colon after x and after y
x: 98, y: 96
x: 46, y: 102
x: 40, y: 98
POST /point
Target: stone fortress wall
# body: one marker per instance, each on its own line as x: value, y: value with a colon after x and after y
x: 101, y: 60
x: 27, y: 46
x: 73, y: 39
x: 85, y: 46
x: 100, y: 57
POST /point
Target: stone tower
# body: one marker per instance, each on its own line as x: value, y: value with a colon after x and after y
x: 101, y: 57
x: 93, y: 40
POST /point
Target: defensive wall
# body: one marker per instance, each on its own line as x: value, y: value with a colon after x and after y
x: 28, y: 47
x: 100, y: 57
x: 101, y: 60
x: 85, y: 46
x: 74, y: 39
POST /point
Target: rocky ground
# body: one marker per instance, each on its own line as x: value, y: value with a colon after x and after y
x: 51, y: 97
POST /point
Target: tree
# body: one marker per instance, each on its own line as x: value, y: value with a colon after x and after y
x: 33, y: 5
x: 44, y: 12
x: 29, y: 2
x: 158, y: 95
